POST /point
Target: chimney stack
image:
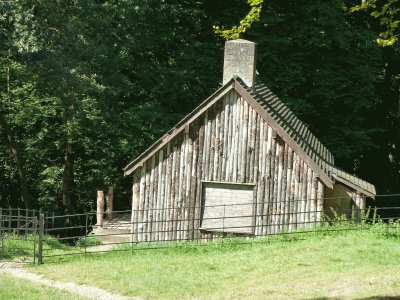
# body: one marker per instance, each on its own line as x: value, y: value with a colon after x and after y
x: 240, y: 60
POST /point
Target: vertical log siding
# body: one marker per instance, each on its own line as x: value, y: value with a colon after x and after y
x: 229, y: 142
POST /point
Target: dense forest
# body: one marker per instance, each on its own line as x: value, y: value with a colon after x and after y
x: 86, y: 85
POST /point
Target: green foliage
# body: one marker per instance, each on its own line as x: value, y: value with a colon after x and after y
x: 15, y: 245
x: 89, y: 240
x: 339, y: 226
x: 245, y: 24
x: 53, y: 243
x: 328, y: 72
x: 388, y: 14
x: 94, y: 83
x: 22, y: 247
x: 97, y: 91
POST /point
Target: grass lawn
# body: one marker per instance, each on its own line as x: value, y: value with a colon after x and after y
x: 22, y: 248
x: 15, y: 288
x: 350, y: 265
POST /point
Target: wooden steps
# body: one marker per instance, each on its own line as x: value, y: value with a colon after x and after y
x: 116, y: 231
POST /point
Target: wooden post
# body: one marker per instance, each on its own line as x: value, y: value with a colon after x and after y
x: 363, y: 206
x: 109, y: 198
x: 26, y: 222
x: 52, y: 221
x: 135, y: 206
x: 18, y: 219
x: 41, y: 233
x: 40, y: 211
x: 1, y: 232
x: 9, y: 218
x: 34, y: 233
x: 86, y: 231
x: 100, y: 208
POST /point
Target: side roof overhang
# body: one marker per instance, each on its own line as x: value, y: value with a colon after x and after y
x: 280, y: 118
x: 352, y: 181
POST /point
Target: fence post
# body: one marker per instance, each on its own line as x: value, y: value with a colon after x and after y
x: 363, y: 212
x: 34, y: 233
x: 18, y: 219
x: 26, y: 222
x: 41, y: 233
x: 100, y: 208
x: 109, y: 199
x: 9, y: 218
x: 1, y: 232
x: 223, y: 225
x: 86, y: 230
x: 40, y: 212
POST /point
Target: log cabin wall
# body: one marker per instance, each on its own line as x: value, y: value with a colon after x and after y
x: 231, y: 143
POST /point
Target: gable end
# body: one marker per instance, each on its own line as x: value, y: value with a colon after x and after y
x: 283, y: 122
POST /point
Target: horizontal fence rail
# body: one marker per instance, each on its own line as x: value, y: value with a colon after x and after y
x: 18, y: 234
x: 33, y: 236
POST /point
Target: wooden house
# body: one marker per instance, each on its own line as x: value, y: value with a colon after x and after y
x: 241, y: 163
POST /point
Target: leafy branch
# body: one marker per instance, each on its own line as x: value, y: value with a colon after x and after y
x: 245, y: 23
x: 388, y: 15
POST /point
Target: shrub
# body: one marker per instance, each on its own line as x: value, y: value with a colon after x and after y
x: 89, y: 240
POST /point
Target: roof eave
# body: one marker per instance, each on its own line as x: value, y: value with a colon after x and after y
x: 357, y: 187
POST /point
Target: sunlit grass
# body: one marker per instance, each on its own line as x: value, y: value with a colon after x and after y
x: 21, y: 289
x: 25, y: 247
x: 345, y: 264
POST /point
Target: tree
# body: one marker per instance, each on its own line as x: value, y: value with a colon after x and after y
x: 107, y: 79
x: 252, y: 17
x: 386, y: 157
x: 388, y: 14
x: 323, y: 63
x: 94, y: 83
x: 6, y: 101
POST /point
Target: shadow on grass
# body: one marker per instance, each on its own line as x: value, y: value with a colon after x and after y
x: 366, y: 298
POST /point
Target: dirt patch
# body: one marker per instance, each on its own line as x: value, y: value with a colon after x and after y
x: 83, y: 290
x: 99, y: 248
x: 10, y: 265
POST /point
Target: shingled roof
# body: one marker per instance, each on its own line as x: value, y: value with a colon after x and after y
x: 279, y: 116
x: 300, y: 133
x: 297, y: 130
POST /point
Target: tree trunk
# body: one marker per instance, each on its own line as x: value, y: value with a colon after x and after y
x: 68, y: 179
x: 14, y: 145
x: 18, y: 158
x: 391, y: 96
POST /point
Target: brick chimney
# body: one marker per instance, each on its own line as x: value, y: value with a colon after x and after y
x: 240, y: 60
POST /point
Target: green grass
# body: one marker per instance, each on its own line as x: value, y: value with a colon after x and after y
x: 15, y: 288
x: 89, y: 240
x: 13, y: 246
x: 349, y: 264
x: 22, y: 248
